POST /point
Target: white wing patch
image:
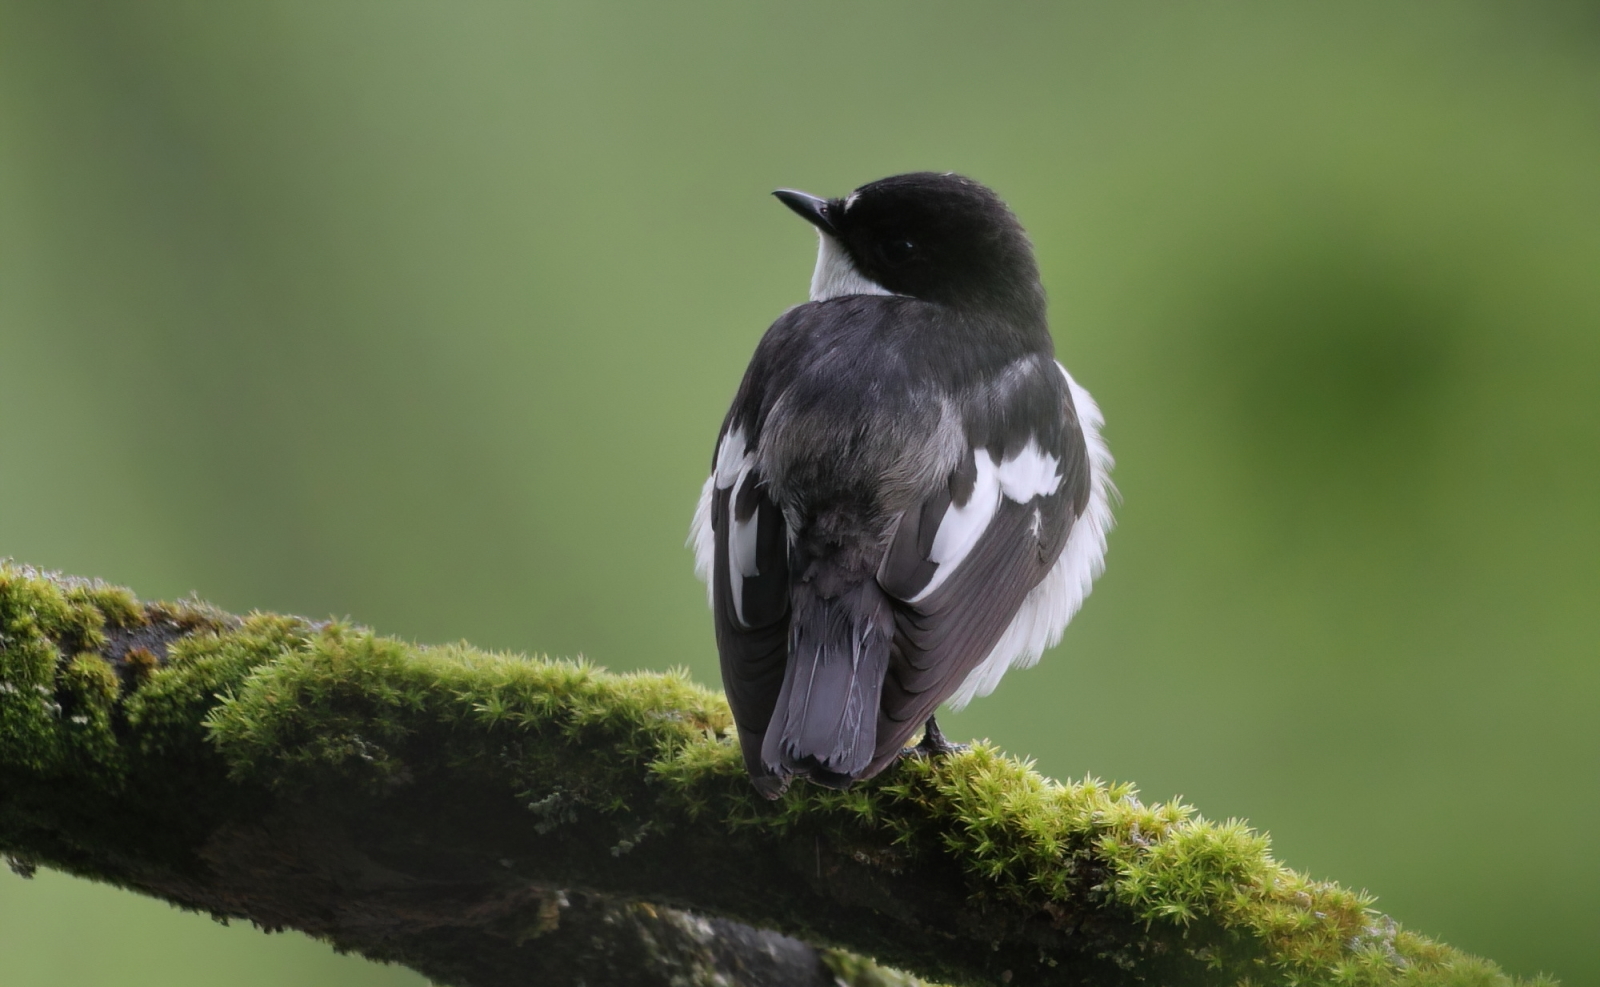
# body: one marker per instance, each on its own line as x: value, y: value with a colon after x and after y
x: 741, y: 547
x: 836, y: 274
x: 1047, y: 610
x: 733, y: 462
x: 1033, y: 473
x: 962, y: 526
x: 732, y: 458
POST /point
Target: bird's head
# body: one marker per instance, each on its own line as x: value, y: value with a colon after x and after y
x: 938, y: 237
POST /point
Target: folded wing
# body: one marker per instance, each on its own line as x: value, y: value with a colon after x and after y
x: 963, y: 564
x: 742, y: 552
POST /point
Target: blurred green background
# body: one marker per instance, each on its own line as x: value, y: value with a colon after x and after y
x: 427, y: 314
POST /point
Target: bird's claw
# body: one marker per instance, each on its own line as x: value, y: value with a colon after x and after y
x: 933, y: 744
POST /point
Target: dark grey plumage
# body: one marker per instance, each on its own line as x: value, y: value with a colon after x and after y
x: 899, y: 472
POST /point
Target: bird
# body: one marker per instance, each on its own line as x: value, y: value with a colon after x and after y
x: 908, y: 496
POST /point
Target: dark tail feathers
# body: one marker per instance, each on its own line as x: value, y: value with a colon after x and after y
x: 825, y: 723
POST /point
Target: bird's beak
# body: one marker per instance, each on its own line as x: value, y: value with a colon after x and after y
x: 812, y: 209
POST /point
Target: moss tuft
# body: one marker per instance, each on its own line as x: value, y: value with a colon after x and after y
x: 850, y: 970
x: 168, y: 709
x: 57, y: 695
x: 139, y: 664
x: 118, y: 608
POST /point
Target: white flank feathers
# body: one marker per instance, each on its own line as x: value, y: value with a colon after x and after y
x: 703, y: 540
x: 1052, y: 604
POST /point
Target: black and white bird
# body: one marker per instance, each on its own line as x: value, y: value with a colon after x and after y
x: 909, y: 495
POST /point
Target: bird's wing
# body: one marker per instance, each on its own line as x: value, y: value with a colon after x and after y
x: 963, y: 562
x: 742, y: 545
x: 744, y: 534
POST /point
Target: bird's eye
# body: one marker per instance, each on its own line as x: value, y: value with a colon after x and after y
x: 897, y: 252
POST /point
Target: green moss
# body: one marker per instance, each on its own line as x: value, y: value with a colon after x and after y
x: 56, y: 696
x: 350, y: 700
x: 851, y: 970
x: 86, y: 688
x: 283, y: 703
x: 168, y: 708
x: 116, y: 607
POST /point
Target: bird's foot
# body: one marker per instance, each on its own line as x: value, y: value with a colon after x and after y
x: 933, y: 743
x: 770, y: 786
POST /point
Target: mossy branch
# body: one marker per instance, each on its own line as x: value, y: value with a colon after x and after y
x: 489, y: 819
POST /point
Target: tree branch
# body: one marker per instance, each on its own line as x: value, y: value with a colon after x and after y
x: 493, y: 820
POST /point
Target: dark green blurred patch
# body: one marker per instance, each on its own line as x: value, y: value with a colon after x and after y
x: 1333, y: 363
x: 428, y: 315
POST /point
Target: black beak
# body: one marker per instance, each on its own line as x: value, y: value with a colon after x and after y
x: 812, y: 209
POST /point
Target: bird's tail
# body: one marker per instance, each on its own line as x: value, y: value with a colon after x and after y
x: 825, y: 723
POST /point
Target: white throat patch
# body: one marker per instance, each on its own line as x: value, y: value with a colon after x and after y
x: 836, y: 273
